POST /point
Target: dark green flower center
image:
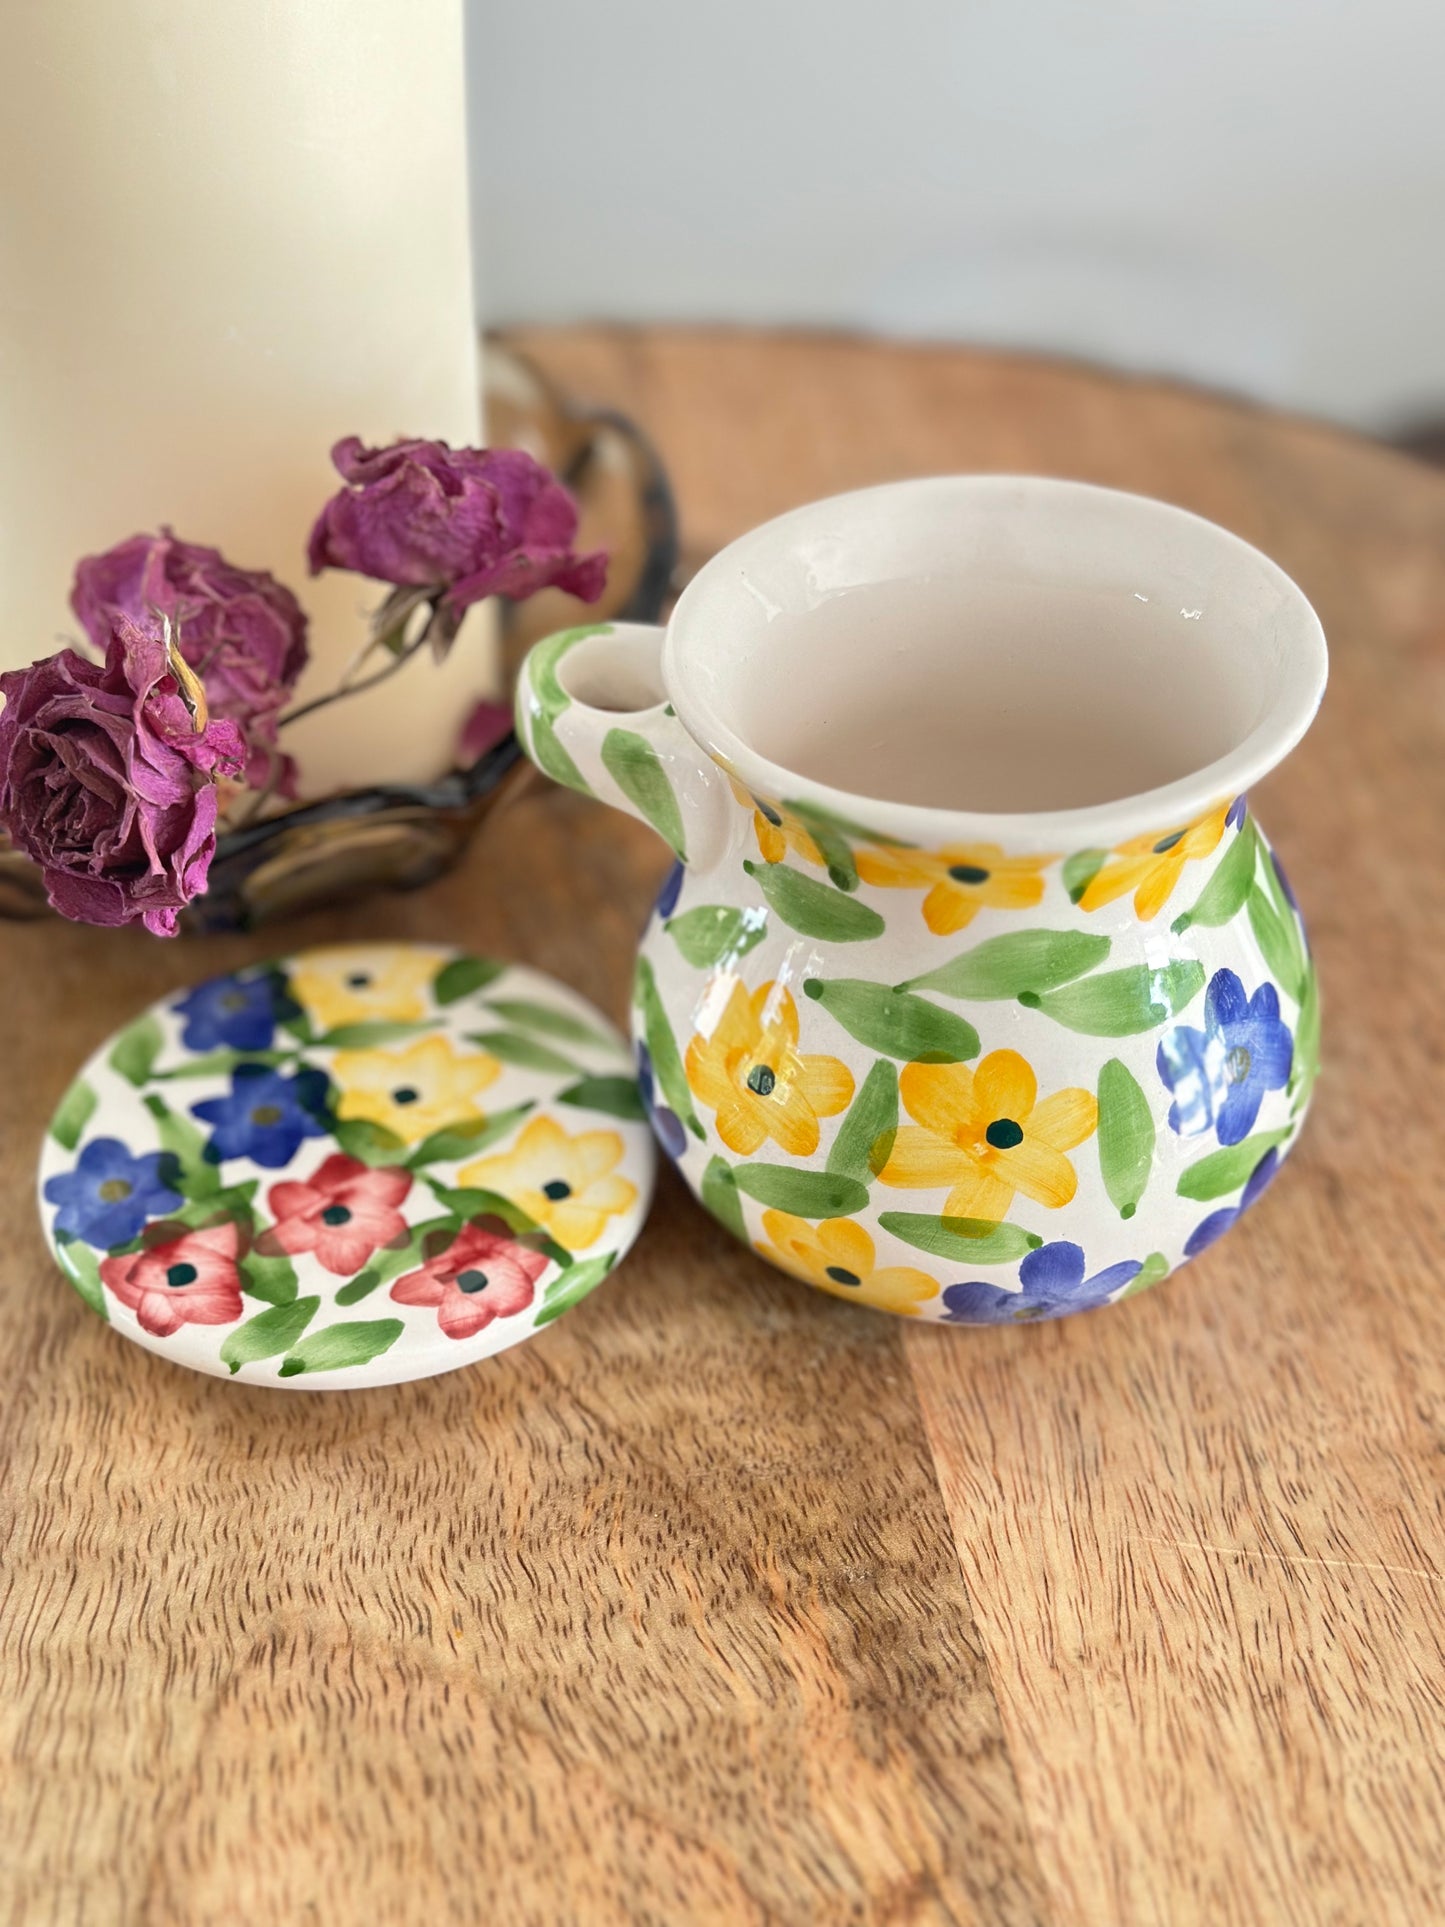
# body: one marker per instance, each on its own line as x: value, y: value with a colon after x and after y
x: 968, y: 873
x: 842, y: 1277
x: 556, y: 1189
x: 1003, y: 1134
x: 234, y: 1000
x: 762, y: 1080
x: 114, y: 1189
x: 178, y: 1275
x: 336, y: 1214
x: 470, y: 1281
x: 769, y: 813
x: 1236, y: 1065
x: 1166, y: 843
x: 405, y: 1094
x: 358, y: 980
x: 266, y: 1114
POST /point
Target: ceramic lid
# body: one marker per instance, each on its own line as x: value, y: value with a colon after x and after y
x: 350, y: 1167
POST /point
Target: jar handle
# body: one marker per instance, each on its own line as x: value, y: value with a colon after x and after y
x: 592, y: 713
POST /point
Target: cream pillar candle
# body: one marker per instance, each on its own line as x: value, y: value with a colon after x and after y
x: 231, y: 233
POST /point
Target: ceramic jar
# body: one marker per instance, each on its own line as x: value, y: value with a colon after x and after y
x: 977, y: 993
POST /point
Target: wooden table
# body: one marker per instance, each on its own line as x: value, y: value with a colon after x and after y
x: 727, y: 1602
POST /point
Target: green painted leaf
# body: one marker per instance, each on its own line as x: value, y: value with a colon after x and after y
x: 1126, y: 1137
x: 82, y: 1267
x: 216, y: 1063
x: 714, y: 932
x: 198, y: 1178
x: 571, y: 1286
x: 545, y: 659
x: 719, y: 1194
x: 368, y: 1142
x: 528, y: 1052
x: 465, y: 1203
x: 135, y: 1051
x: 816, y: 909
x: 361, y: 1286
x: 865, y: 1137
x: 273, y: 1279
x: 355, y: 1342
x: 806, y: 1194
x: 1279, y: 939
x: 1121, y: 1003
x: 268, y: 1333
x: 1155, y: 1267
x: 394, y: 1260
x: 1079, y: 870
x: 370, y: 1034
x: 552, y: 758
x: 894, y: 1021
x: 827, y: 832
x: 814, y: 814
x: 617, y: 1096
x: 636, y: 768
x: 662, y: 1048
x: 1224, y: 894
x: 469, y: 1138
x: 1021, y: 963
x: 463, y: 977
x: 72, y: 1114
x: 1306, y: 1065
x: 231, y: 1204
x: 962, y: 1241
x: 1229, y: 1169
x: 525, y: 1014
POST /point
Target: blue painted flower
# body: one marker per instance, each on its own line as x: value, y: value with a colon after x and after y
x: 1236, y: 813
x: 110, y: 1195
x: 1219, y: 1075
x: 671, y: 890
x: 666, y: 1124
x: 266, y: 1115
x: 1053, y: 1285
x: 1218, y: 1222
x: 236, y: 1013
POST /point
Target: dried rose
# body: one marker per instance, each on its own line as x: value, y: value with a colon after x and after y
x: 106, y: 783
x: 240, y: 630
x: 462, y: 523
x: 489, y: 724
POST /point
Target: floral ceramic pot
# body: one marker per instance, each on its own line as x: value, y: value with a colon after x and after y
x: 977, y: 993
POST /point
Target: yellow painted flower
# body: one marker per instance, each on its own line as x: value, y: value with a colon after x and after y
x: 960, y: 881
x: 982, y: 1132
x: 1151, y: 865
x: 358, y: 983
x: 778, y: 830
x: 838, y: 1256
x: 568, y: 1184
x: 748, y: 1069
x: 414, y: 1090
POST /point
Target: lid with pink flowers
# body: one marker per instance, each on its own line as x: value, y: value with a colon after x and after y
x: 349, y: 1167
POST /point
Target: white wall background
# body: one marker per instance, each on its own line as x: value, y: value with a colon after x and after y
x: 1247, y: 192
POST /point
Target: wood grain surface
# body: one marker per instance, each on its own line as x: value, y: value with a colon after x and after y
x: 726, y: 1602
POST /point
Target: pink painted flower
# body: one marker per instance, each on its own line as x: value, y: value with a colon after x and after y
x: 188, y: 1280
x: 343, y: 1213
x: 483, y: 1274
x: 242, y: 632
x: 106, y: 783
x: 469, y: 522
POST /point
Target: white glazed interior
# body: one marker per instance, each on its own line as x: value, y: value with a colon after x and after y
x: 1013, y: 641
